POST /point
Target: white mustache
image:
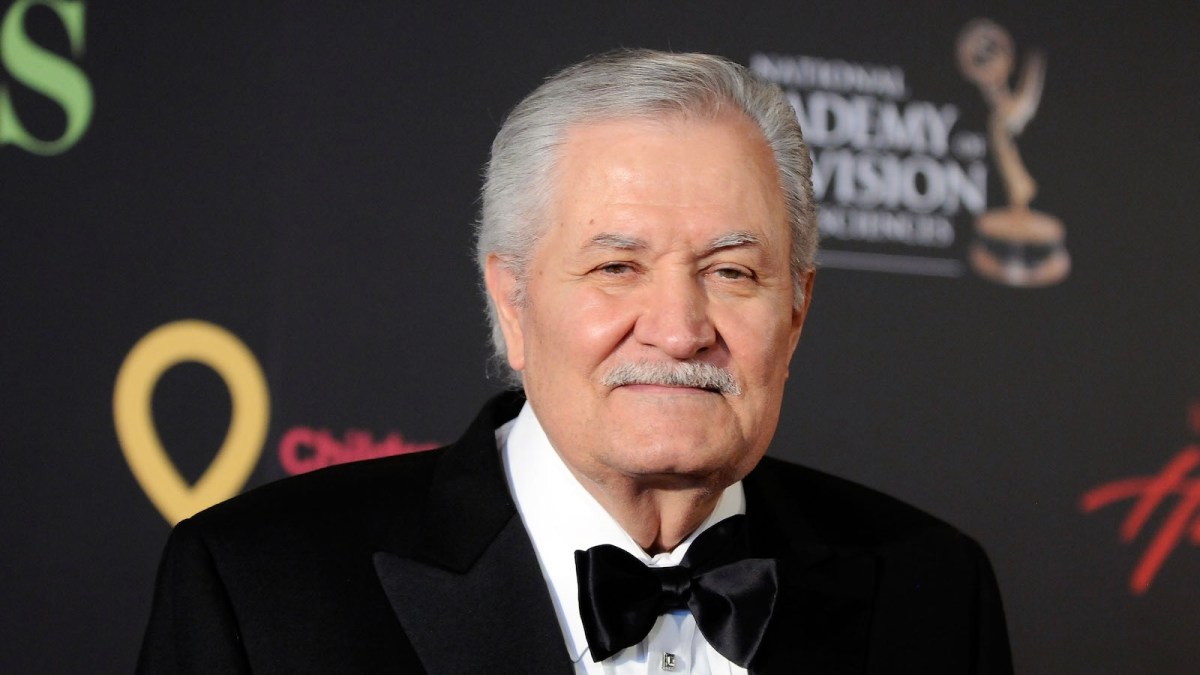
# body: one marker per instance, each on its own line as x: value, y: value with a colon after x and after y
x: 686, y: 374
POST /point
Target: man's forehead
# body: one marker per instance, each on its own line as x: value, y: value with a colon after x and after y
x: 629, y: 175
x: 667, y: 123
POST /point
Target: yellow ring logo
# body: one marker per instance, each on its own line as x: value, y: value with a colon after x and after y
x: 153, y: 355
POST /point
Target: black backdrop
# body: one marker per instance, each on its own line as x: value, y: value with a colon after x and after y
x: 305, y: 179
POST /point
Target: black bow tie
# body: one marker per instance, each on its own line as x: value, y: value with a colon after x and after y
x: 731, y: 596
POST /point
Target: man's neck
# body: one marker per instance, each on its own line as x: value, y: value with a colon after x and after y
x: 656, y: 512
x: 657, y: 516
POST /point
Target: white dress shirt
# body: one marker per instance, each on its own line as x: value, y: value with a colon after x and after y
x: 561, y: 518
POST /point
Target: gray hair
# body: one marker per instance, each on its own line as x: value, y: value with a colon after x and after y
x: 627, y: 84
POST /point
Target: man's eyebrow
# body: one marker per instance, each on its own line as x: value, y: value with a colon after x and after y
x: 627, y: 243
x: 732, y: 240
x: 617, y: 241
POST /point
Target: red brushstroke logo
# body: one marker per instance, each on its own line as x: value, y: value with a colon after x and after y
x: 303, y: 449
x: 1147, y: 493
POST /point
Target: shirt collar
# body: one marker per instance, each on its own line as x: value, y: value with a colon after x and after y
x: 562, y: 517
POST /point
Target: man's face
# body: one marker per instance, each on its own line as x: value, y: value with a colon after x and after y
x: 667, y: 242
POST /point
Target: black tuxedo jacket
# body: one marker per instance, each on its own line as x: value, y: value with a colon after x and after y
x: 420, y: 563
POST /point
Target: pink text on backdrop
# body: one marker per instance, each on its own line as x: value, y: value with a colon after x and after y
x: 1147, y: 493
x: 304, y: 449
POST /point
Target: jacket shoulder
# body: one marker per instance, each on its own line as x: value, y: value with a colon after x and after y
x: 343, y: 501
x: 844, y: 513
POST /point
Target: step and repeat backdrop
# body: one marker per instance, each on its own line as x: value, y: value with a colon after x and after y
x: 236, y: 247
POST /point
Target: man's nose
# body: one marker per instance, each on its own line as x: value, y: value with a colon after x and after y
x: 674, y: 316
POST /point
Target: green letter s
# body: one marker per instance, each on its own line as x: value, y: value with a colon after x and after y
x: 46, y: 73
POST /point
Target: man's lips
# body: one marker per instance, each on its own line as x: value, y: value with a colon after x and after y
x: 666, y: 389
x: 684, y: 376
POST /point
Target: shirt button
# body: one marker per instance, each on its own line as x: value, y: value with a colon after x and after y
x: 671, y: 663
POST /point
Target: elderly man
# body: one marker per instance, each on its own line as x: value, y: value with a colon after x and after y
x: 647, y: 242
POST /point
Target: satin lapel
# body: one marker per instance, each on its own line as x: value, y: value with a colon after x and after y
x: 463, y: 578
x: 823, y: 618
x: 491, y: 618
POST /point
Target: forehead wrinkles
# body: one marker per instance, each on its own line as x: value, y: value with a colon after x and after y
x: 629, y: 177
x: 651, y: 174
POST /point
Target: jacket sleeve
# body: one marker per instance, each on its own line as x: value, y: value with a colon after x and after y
x: 193, y: 627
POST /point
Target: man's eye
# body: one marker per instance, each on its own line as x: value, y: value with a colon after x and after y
x: 615, y: 268
x: 731, y: 273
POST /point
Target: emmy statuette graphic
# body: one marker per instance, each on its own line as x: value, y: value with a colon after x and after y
x: 1015, y: 245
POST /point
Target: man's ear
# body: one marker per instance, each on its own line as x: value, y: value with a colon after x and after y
x: 501, y: 286
x: 799, y: 314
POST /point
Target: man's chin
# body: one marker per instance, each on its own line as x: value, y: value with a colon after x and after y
x: 676, y: 481
x: 676, y: 464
